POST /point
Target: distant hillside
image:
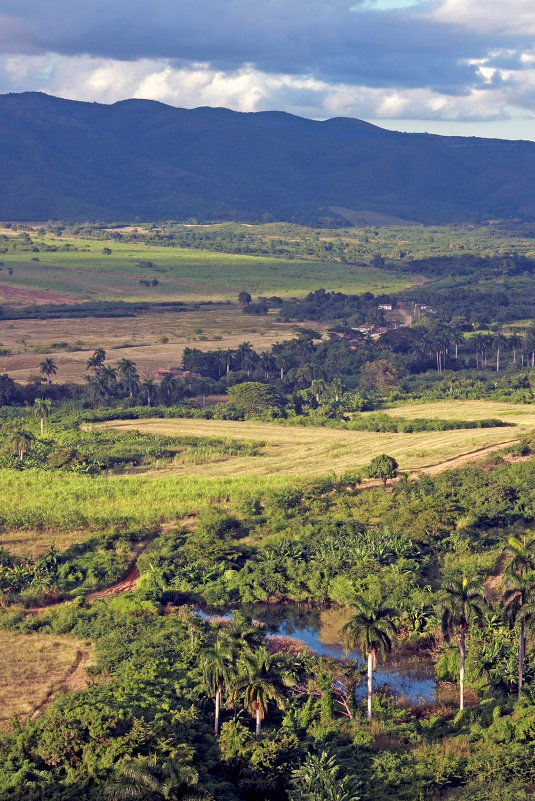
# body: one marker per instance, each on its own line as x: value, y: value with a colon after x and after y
x: 61, y: 159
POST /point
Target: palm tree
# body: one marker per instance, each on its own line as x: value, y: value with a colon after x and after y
x: 519, y: 597
x: 519, y: 607
x: 148, y: 388
x: 128, y: 376
x: 522, y: 557
x: 41, y: 409
x: 96, y: 361
x: 147, y: 780
x: 336, y: 388
x: 260, y: 683
x: 463, y: 603
x: 20, y: 442
x: 318, y: 388
x: 217, y: 666
x: 169, y: 386
x: 515, y: 342
x: 47, y: 368
x: 372, y: 631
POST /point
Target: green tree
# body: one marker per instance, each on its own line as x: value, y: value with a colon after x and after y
x: 48, y: 368
x: 96, y: 361
x: 260, y: 682
x: 383, y: 467
x: 217, y: 666
x: 318, y: 779
x: 372, y: 631
x: 519, y: 597
x: 519, y: 607
x: 20, y: 442
x: 462, y: 604
x: 149, y: 389
x: 41, y: 409
x: 147, y: 780
x: 128, y: 376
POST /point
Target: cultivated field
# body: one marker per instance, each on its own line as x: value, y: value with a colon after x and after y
x: 70, y: 342
x: 517, y: 413
x: 313, y: 451
x: 29, y: 542
x: 34, y: 668
x: 87, y: 274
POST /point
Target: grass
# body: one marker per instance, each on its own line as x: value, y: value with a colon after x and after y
x: 209, y: 328
x: 34, y: 668
x: 517, y: 413
x: 311, y: 451
x: 36, y: 543
x: 184, y: 274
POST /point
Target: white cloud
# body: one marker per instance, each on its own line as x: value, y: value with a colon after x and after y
x: 516, y: 17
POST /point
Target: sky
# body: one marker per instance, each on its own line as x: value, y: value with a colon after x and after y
x: 460, y: 67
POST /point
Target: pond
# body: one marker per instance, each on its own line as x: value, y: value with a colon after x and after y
x: 319, y: 629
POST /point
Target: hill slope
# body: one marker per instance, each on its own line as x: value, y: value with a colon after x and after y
x: 61, y: 159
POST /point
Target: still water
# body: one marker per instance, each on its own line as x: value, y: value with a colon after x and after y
x: 319, y: 629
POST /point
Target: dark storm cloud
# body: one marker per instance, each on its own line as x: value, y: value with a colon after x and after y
x: 325, y: 38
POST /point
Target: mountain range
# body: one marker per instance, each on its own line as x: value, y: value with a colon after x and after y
x: 69, y: 160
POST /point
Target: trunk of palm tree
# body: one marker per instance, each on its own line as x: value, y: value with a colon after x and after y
x: 521, y: 652
x: 514, y: 355
x: 370, y: 683
x: 498, y: 360
x: 217, y: 708
x: 258, y: 724
x: 42, y: 425
x: 462, y: 651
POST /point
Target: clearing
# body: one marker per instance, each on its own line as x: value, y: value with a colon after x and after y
x: 314, y: 451
x: 69, y: 342
x: 35, y: 667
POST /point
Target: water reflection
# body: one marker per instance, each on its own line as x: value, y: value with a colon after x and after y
x: 319, y: 629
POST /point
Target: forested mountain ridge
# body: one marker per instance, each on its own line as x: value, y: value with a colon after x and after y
x: 61, y: 159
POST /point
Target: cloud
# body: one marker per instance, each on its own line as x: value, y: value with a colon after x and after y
x: 250, y: 89
x: 382, y: 59
x: 336, y: 40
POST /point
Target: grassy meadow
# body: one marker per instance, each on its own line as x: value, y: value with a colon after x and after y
x: 34, y: 668
x: 84, y: 273
x: 314, y: 451
x: 69, y: 342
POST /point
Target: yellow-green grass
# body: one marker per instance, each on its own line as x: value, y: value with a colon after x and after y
x: 314, y: 451
x: 143, y: 335
x: 520, y: 414
x: 35, y: 543
x: 34, y: 668
x: 183, y: 274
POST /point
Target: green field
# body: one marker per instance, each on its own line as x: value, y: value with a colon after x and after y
x: 315, y: 451
x: 184, y: 274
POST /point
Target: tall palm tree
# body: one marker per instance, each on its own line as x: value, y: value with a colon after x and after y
x: 217, y: 665
x: 147, y: 780
x: 260, y: 682
x: 519, y: 607
x: 372, y: 631
x: 336, y: 388
x: 20, y: 441
x: 519, y: 597
x: 463, y: 603
x: 48, y: 367
x: 148, y: 388
x: 128, y: 376
x: 41, y: 409
x: 96, y: 361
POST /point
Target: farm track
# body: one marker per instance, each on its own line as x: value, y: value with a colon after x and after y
x: 74, y: 678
